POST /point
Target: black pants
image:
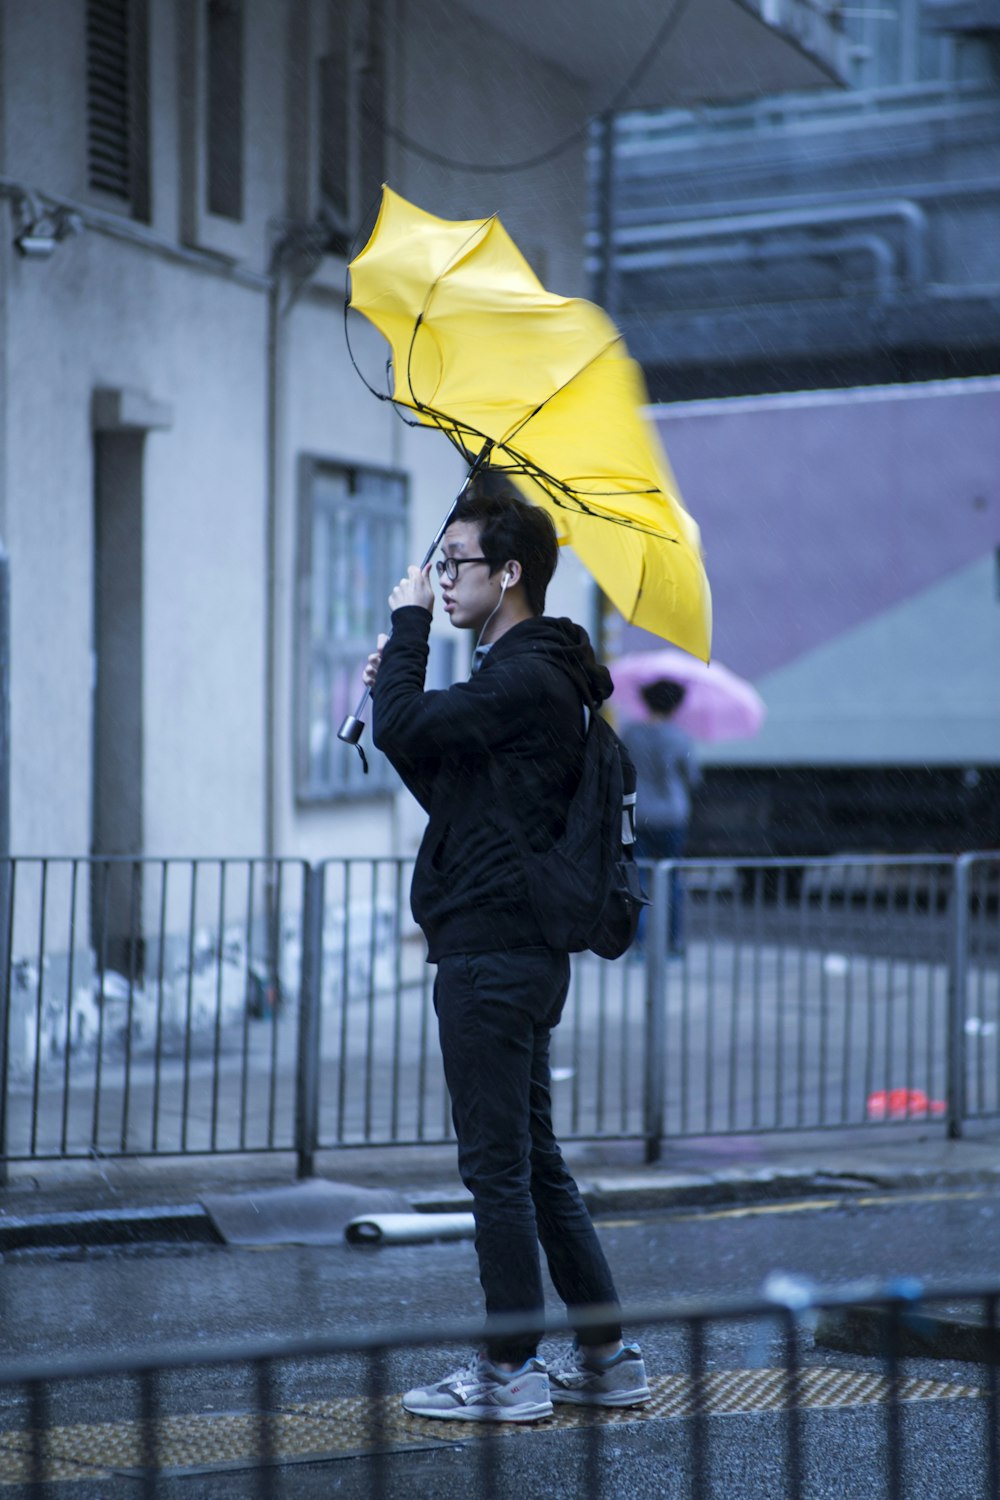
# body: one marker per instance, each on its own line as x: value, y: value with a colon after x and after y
x: 495, y: 1015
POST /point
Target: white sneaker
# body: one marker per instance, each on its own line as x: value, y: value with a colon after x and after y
x: 576, y: 1380
x: 480, y: 1392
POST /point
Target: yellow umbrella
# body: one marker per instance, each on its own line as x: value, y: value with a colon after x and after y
x: 544, y: 387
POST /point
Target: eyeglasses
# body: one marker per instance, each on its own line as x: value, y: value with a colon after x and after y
x: 448, y: 567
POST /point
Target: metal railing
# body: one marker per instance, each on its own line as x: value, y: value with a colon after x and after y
x: 178, y: 1007
x: 140, y: 1423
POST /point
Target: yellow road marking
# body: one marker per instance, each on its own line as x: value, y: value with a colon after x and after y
x: 799, y: 1206
x: 326, y: 1430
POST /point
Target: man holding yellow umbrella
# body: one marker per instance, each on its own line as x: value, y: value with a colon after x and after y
x: 542, y: 390
x: 509, y: 742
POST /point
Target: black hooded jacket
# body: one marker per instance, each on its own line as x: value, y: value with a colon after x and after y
x: 523, y: 708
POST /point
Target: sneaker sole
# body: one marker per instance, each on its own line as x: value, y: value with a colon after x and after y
x: 635, y: 1397
x: 534, y: 1413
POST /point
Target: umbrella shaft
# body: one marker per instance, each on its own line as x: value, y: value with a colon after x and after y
x: 353, y: 727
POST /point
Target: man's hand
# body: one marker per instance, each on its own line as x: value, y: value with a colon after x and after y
x: 415, y: 588
x: 374, y: 662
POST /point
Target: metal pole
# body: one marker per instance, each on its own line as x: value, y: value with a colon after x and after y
x: 5, y: 866
x: 657, y: 926
x: 4, y: 702
x: 310, y: 1007
x: 958, y: 969
x: 604, y: 280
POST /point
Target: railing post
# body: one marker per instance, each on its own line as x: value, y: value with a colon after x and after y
x: 958, y: 969
x: 657, y: 927
x: 6, y: 937
x: 310, y: 1006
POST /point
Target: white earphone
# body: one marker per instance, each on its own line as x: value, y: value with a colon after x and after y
x: 506, y: 580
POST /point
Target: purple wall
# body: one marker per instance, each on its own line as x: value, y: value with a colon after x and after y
x: 820, y: 510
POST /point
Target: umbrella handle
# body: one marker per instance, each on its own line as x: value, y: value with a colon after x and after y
x: 353, y: 726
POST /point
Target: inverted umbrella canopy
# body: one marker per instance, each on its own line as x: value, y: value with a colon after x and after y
x: 717, y: 704
x: 481, y: 350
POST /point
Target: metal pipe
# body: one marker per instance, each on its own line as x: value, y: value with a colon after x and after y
x: 874, y: 245
x: 769, y: 221
x: 5, y: 866
x: 658, y: 925
x: 309, y: 1020
x: 672, y: 131
x: 604, y: 274
x: 958, y: 970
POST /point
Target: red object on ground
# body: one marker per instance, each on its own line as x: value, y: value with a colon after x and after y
x: 903, y: 1104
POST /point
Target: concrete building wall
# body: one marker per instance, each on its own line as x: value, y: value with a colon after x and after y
x: 186, y: 336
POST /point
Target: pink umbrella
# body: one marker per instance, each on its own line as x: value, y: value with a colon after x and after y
x: 717, y: 704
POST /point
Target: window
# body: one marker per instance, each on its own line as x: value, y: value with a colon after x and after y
x: 351, y: 109
x: 352, y: 549
x: 117, y: 102
x: 224, y: 108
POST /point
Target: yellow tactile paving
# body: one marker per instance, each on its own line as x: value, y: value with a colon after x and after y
x: 340, y: 1428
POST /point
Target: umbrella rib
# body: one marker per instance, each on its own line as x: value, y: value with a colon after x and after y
x: 575, y: 375
x: 553, y: 486
x: 549, y: 483
x: 459, y: 255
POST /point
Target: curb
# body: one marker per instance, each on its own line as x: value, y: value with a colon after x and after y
x: 915, y: 1334
x: 187, y: 1222
x: 615, y: 1193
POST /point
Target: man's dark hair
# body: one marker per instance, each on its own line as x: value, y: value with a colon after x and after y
x: 663, y: 697
x: 511, y: 530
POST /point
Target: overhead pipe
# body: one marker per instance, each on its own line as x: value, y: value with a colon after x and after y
x: 874, y: 245
x: 769, y: 221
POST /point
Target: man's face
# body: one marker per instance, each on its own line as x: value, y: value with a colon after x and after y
x: 472, y: 597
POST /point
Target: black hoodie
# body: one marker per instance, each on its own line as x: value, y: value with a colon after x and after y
x: 523, y: 708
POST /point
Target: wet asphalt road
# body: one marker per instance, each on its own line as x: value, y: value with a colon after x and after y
x: 111, y: 1301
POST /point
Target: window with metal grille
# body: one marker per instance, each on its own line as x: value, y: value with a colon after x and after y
x: 117, y: 101
x: 224, y: 107
x: 352, y: 545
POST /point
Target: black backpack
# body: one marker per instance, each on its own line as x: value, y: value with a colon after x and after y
x: 585, y: 891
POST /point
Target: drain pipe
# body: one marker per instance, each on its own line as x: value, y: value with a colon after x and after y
x: 271, y: 480
x: 296, y: 253
x: 6, y: 877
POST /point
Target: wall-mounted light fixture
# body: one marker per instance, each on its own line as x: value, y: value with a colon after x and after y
x: 40, y: 228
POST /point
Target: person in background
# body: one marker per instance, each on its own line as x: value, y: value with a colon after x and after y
x: 667, y: 772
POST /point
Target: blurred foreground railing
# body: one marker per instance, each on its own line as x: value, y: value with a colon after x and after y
x: 299, y: 1418
x: 176, y: 1007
